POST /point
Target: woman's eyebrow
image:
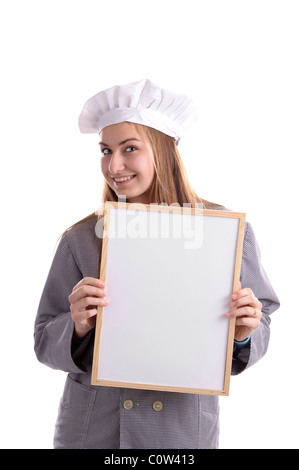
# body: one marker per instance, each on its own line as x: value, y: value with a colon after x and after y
x: 121, y: 143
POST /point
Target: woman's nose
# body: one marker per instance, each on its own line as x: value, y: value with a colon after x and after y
x: 116, y: 164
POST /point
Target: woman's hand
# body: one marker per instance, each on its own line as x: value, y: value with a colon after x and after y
x: 84, y: 300
x: 246, y: 309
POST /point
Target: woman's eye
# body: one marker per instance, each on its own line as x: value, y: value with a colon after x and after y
x: 130, y: 149
x: 105, y: 151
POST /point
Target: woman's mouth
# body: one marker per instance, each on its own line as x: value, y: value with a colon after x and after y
x: 122, y: 180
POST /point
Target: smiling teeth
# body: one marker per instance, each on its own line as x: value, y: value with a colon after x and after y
x: 125, y: 178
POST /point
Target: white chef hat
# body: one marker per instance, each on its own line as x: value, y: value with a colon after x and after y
x: 140, y: 102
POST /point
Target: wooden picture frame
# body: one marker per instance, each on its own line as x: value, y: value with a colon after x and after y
x: 169, y: 274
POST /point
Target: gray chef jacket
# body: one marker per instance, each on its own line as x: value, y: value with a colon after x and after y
x: 96, y: 417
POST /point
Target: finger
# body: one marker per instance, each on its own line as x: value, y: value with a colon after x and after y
x: 82, y: 315
x: 248, y: 299
x: 250, y: 322
x: 236, y: 293
x: 91, y: 281
x: 88, y: 281
x: 86, y: 291
x: 242, y: 292
x: 87, y: 301
x: 246, y: 311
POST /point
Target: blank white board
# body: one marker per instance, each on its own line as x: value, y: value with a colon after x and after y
x: 169, y: 275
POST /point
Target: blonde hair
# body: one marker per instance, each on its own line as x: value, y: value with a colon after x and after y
x: 170, y: 184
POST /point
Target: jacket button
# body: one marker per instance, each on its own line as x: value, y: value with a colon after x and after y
x: 128, y: 404
x: 158, y: 406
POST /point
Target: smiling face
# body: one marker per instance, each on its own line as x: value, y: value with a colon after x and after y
x: 127, y: 161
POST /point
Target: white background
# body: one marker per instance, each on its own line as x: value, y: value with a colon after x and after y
x: 239, y: 61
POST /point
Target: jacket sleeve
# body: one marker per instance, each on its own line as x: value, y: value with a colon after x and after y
x: 254, y: 277
x: 54, y: 326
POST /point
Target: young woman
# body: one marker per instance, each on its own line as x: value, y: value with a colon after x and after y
x: 139, y: 126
